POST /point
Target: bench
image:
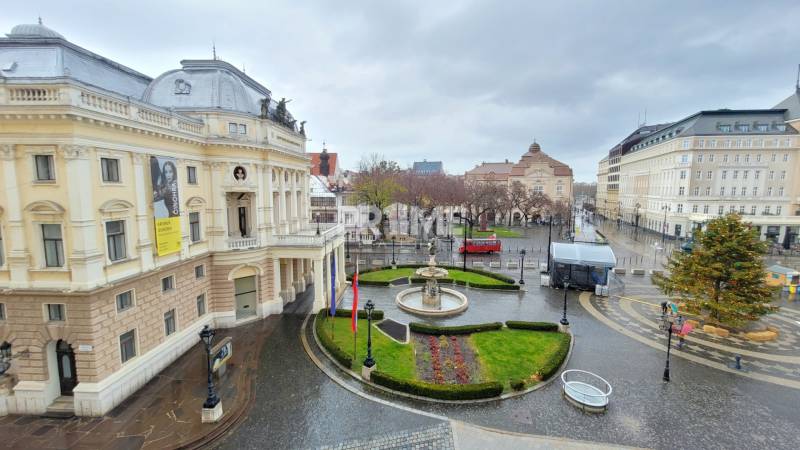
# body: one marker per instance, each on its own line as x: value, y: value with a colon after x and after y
x: 532, y: 265
x: 637, y: 271
x: 477, y: 264
x: 656, y: 272
x: 494, y: 264
x: 362, y: 262
x: 377, y: 262
x: 619, y: 270
x: 512, y: 265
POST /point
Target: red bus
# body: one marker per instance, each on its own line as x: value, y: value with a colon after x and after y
x: 481, y: 246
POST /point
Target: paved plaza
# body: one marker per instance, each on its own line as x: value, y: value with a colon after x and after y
x: 284, y: 393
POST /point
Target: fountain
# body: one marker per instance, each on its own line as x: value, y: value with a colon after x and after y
x: 432, y: 299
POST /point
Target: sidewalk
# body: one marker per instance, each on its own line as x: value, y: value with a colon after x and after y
x: 163, y: 414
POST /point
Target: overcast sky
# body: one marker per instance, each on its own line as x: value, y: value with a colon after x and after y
x: 462, y: 82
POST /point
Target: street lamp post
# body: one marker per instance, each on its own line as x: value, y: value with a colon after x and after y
x: 369, y: 362
x: 347, y: 245
x: 619, y: 217
x: 212, y: 401
x: 664, y: 225
x: 666, y: 325
x: 549, y: 238
x: 394, y: 263
x: 521, y: 266
x: 564, y: 320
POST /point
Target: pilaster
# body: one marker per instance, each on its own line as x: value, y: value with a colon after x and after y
x: 319, y: 293
x: 18, y: 259
x: 144, y: 245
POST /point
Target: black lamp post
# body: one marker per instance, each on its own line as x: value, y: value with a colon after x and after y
x: 207, y: 335
x: 564, y: 320
x: 664, y: 225
x: 521, y: 265
x: 619, y: 217
x: 419, y: 230
x: 317, y: 224
x: 347, y: 245
x: 666, y: 325
x: 636, y: 220
x: 549, y: 238
x: 394, y: 238
x: 369, y: 362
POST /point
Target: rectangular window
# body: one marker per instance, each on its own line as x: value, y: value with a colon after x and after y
x: 681, y: 190
x: 741, y: 209
x: 769, y: 191
x: 780, y: 191
x: 683, y: 174
x: 753, y: 210
x: 680, y: 207
x: 744, y: 174
x: 724, y: 174
x: 53, y: 245
x: 696, y: 191
x: 783, y: 174
x: 232, y: 128
x: 705, y: 209
x: 201, y: 305
x: 708, y: 190
x: 733, y: 191
x: 199, y: 271
x: 242, y: 128
x: 722, y: 190
x: 721, y: 210
x: 194, y: 226
x: 756, y: 174
x: 110, y: 170
x: 694, y: 208
x: 685, y: 145
x: 711, y: 156
x: 45, y: 171
x: 559, y: 189
x: 773, y: 157
x: 725, y: 128
x: 700, y: 156
x: 755, y: 191
x: 699, y: 174
x: 168, y: 283
x: 766, y: 210
x: 169, y: 322
x: 762, y: 127
x: 735, y: 174
x: 124, y: 301
x: 191, y: 174
x: 771, y: 174
x: 2, y: 311
x: 725, y: 158
x: 732, y: 209
x: 115, y: 238
x: 758, y: 157
x: 736, y: 158
x: 777, y: 210
x: 127, y: 346
x: 709, y: 174
x: 685, y: 158
x: 747, y: 157
x: 55, y: 312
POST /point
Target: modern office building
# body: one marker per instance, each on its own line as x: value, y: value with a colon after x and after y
x: 136, y: 210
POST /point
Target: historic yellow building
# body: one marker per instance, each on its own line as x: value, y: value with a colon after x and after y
x: 134, y: 211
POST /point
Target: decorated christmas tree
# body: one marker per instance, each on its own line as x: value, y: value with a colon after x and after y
x: 723, y: 277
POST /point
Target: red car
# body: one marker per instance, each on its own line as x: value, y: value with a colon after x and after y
x: 481, y: 246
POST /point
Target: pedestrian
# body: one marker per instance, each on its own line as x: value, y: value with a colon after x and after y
x: 664, y: 308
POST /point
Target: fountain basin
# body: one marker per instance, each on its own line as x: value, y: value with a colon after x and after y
x: 411, y: 300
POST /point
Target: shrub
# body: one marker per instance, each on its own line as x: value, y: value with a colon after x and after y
x: 377, y: 314
x: 500, y: 287
x: 439, y: 391
x: 335, y: 351
x: 517, y: 384
x: 424, y: 328
x: 535, y: 326
x: 551, y: 367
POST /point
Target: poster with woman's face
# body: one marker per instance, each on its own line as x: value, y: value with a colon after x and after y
x: 166, y: 204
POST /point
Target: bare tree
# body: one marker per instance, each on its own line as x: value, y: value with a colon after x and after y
x: 376, y: 184
x: 483, y: 198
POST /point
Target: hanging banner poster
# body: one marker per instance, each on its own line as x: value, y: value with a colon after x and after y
x: 166, y: 205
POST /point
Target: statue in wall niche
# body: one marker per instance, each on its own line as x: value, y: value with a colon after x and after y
x: 182, y: 86
x: 303, y: 128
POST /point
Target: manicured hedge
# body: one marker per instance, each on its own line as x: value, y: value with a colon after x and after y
x: 377, y: 314
x: 337, y: 353
x: 439, y: 391
x: 499, y: 287
x: 551, y: 367
x: 517, y: 384
x: 535, y: 326
x: 424, y: 328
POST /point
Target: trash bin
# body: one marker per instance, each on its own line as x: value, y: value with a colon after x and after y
x: 544, y: 280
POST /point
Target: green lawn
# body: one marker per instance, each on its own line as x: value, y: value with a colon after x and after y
x: 515, y: 354
x: 392, y: 358
x: 393, y: 274
x: 502, y: 232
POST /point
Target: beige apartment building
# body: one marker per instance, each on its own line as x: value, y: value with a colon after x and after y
x: 601, y: 197
x: 136, y: 210
x: 713, y: 163
x: 535, y: 169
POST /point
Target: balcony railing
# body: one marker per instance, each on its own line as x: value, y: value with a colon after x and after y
x: 308, y: 237
x: 242, y: 243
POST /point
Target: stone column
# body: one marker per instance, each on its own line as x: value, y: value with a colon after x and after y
x: 294, y: 198
x: 86, y: 259
x: 319, y: 288
x: 18, y: 259
x: 269, y: 201
x: 290, y: 279
x: 144, y: 246
x: 340, y: 266
x: 282, y: 199
x: 261, y: 208
x: 276, y: 275
x: 306, y: 197
x: 327, y: 277
x: 218, y: 231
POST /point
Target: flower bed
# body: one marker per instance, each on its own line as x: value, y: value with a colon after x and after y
x: 424, y: 328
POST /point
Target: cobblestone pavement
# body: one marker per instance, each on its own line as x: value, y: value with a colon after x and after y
x: 439, y: 437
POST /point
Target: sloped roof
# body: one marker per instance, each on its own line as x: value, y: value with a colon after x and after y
x: 315, y: 162
x: 535, y: 155
x: 428, y: 167
x: 583, y: 254
x: 498, y: 169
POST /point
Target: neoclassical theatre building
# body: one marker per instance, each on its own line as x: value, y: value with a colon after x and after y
x: 136, y: 210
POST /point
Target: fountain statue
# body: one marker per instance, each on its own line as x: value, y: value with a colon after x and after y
x: 428, y: 299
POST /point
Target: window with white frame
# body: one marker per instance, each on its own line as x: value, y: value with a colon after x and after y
x: 127, y: 345
x: 694, y: 208
x: 711, y: 156
x: 685, y: 145
x: 725, y: 158
x: 722, y: 190
x: 560, y: 189
x: 700, y: 156
x: 753, y: 210
x: 771, y: 174
x: 773, y: 157
x: 109, y: 168
x: 705, y: 209
x: 115, y: 240
x: 680, y: 207
x: 683, y: 174
x: 55, y: 312
x: 708, y: 190
x: 744, y: 174
x: 169, y: 322
x: 778, y: 210
x: 168, y: 283
x: 699, y: 174
x: 741, y: 209
x: 124, y: 301
x: 45, y: 168
x: 194, y: 226
x: 242, y: 128
x: 53, y: 245
x: 201, y: 305
x: 732, y: 209
x: 685, y: 158
x: 199, y: 271
x: 755, y: 191
x: 736, y: 158
x: 681, y: 190
x: 709, y: 174
x: 756, y: 174
x: 766, y: 210
x: 780, y: 191
x: 721, y: 210
x: 735, y: 174
x: 783, y: 174
x: 769, y: 191
x: 191, y: 174
x: 758, y: 157
x: 696, y: 191
x: 233, y: 128
x: 724, y: 174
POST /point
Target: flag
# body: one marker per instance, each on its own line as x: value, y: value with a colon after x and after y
x: 354, y: 314
x: 333, y: 286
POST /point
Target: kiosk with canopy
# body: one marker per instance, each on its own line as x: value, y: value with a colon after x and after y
x: 583, y: 265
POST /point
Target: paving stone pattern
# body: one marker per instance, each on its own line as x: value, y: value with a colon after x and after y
x: 439, y: 437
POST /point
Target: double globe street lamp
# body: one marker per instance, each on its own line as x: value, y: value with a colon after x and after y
x: 207, y: 335
x: 521, y: 266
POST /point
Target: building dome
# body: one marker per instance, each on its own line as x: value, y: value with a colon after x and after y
x: 206, y: 84
x: 534, y: 148
x: 34, y: 30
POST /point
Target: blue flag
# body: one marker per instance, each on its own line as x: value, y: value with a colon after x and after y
x: 333, y: 285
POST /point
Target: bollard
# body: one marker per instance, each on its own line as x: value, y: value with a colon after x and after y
x: 738, y: 362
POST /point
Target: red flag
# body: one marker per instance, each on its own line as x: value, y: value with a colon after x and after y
x: 354, y: 314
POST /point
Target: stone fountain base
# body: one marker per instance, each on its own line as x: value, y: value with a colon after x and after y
x: 412, y: 300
